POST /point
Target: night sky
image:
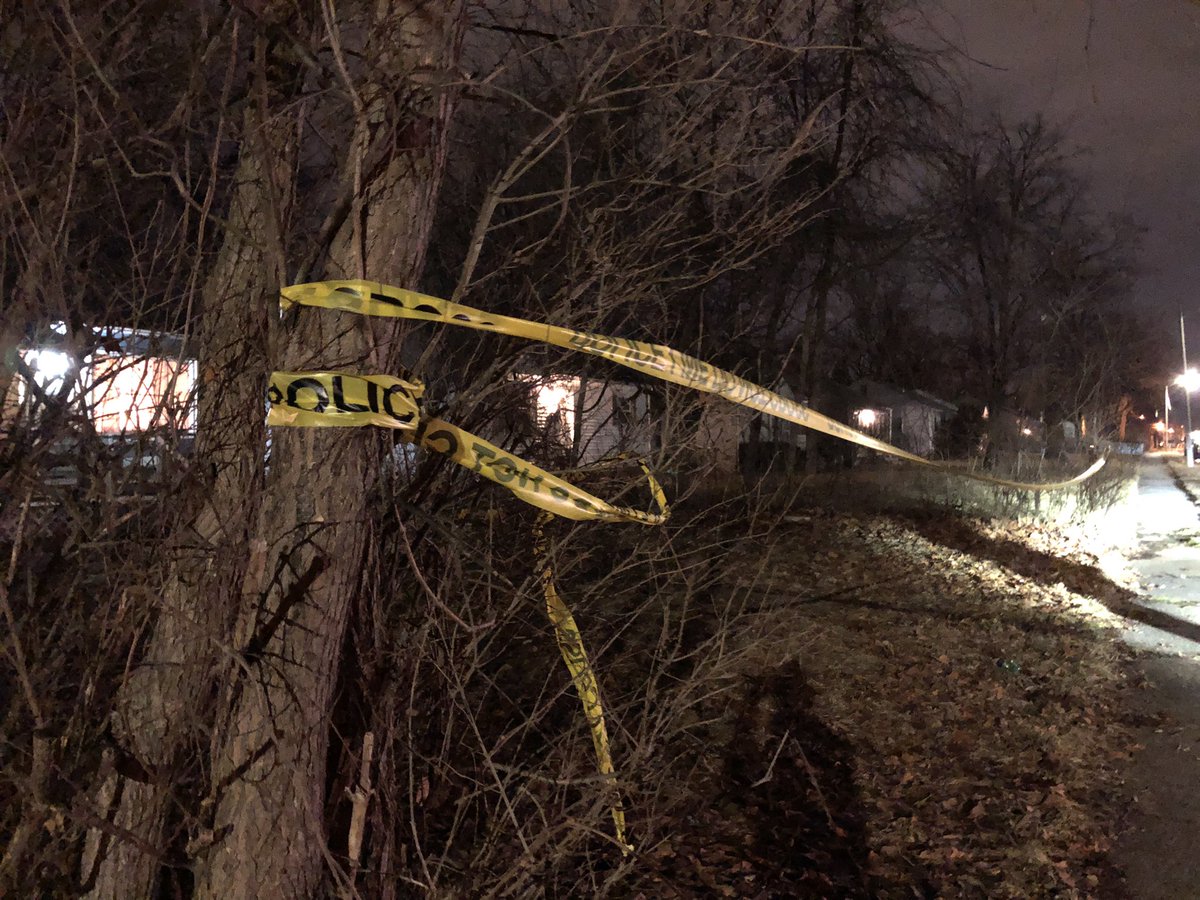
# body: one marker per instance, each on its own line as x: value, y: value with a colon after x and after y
x: 1121, y: 78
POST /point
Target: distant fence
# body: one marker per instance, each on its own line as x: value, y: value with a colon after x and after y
x: 1125, y: 448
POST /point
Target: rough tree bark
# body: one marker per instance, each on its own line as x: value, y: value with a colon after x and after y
x: 270, y: 751
x: 159, y: 706
x: 255, y: 606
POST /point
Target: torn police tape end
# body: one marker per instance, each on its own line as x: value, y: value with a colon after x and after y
x: 370, y: 298
x: 338, y: 399
x: 570, y: 645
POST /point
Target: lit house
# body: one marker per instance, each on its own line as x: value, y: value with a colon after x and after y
x: 124, y: 386
x: 908, y: 419
x: 591, y: 419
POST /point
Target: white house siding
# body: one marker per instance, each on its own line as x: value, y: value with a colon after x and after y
x: 131, y: 394
x: 918, y: 425
x: 121, y: 394
x: 605, y: 430
x: 909, y: 419
x: 615, y: 419
x: 604, y: 418
x: 611, y: 417
x: 721, y: 427
x: 773, y: 430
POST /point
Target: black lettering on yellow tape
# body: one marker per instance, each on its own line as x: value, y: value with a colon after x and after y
x: 333, y: 399
x: 532, y: 484
x: 336, y: 399
x: 587, y: 686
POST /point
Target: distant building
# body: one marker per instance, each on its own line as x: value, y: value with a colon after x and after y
x: 133, y: 390
x: 124, y: 381
x: 590, y: 419
x: 910, y: 419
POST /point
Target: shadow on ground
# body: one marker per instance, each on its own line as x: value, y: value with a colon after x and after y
x: 781, y: 815
x: 1049, y: 570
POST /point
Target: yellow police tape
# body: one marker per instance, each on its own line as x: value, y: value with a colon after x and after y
x: 338, y: 399
x: 333, y: 399
x: 324, y: 399
x: 570, y: 645
x: 373, y: 299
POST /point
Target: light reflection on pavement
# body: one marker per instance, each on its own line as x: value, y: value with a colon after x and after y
x: 1166, y: 561
x: 1158, y: 846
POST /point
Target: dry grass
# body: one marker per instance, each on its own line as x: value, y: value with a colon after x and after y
x: 844, y: 704
x: 803, y: 702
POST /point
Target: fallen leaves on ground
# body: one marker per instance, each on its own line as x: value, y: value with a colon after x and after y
x: 978, y: 695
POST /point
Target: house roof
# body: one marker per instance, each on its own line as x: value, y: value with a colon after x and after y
x: 112, y: 339
x: 885, y: 395
x: 936, y: 402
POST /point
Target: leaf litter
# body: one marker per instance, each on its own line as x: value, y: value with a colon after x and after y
x: 927, y: 706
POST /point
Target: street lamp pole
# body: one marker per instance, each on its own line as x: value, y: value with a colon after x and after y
x: 1166, y: 441
x: 1187, y: 396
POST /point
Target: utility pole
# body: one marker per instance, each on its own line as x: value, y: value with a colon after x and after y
x: 1166, y: 435
x: 1187, y: 395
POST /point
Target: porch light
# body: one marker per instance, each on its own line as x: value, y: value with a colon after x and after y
x: 49, y: 366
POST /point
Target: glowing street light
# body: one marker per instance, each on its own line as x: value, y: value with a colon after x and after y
x: 49, y: 365
x: 1189, y: 381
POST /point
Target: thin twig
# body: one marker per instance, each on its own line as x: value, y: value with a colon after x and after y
x: 771, y: 768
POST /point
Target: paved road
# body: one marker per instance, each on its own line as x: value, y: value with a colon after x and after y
x: 1160, y: 850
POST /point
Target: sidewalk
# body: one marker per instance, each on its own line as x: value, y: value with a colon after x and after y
x: 1166, y: 560
x: 1158, y: 847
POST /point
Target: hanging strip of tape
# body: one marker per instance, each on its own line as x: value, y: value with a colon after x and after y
x: 570, y: 645
x: 338, y: 399
x: 369, y: 298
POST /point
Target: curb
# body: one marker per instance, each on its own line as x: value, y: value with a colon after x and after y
x: 1190, y: 486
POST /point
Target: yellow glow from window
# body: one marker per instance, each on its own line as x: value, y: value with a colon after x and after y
x: 131, y: 394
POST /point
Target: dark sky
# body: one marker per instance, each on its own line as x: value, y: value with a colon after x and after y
x: 1122, y: 80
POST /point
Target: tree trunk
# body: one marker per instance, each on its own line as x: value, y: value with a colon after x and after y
x: 161, y: 703
x: 255, y: 605
x: 269, y: 764
x: 814, y: 336
x: 818, y: 307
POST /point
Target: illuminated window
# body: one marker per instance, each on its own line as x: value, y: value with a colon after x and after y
x: 132, y: 393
